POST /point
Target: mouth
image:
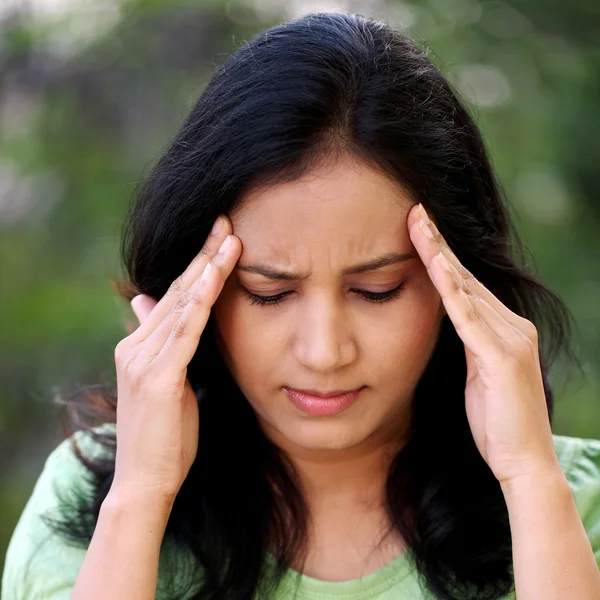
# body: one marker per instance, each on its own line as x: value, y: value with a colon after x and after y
x: 319, y: 402
x: 323, y: 394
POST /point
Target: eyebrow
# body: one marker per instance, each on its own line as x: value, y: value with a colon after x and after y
x: 391, y: 258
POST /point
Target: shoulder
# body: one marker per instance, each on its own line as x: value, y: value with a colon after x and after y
x: 42, y: 565
x: 580, y: 461
x: 36, y: 557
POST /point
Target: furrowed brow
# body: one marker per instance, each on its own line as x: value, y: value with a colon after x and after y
x: 383, y: 261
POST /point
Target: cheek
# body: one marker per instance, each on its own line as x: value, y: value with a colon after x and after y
x: 242, y: 335
x: 414, y: 327
x: 245, y: 345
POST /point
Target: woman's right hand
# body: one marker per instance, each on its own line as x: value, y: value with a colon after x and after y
x: 157, y: 409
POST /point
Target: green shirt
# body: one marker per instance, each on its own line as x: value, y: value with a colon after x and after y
x: 55, y: 564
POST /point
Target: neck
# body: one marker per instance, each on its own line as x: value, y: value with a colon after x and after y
x: 349, y: 532
x: 341, y: 483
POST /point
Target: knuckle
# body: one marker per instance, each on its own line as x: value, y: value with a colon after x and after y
x: 131, y: 361
x: 180, y: 328
x: 515, y: 357
x: 132, y: 369
x: 182, y: 301
x: 122, y: 350
x: 519, y: 351
x: 467, y: 290
x: 206, y: 251
x: 530, y: 331
x: 197, y: 295
x: 469, y: 277
x: 177, y: 287
x: 455, y: 286
x: 471, y: 314
x: 529, y: 347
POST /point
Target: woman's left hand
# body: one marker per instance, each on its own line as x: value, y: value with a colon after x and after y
x: 505, y: 401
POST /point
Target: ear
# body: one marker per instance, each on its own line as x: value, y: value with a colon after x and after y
x: 142, y: 306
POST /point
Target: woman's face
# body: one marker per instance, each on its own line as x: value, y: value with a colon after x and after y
x: 323, y: 334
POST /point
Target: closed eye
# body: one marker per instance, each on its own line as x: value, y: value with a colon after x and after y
x: 373, y: 297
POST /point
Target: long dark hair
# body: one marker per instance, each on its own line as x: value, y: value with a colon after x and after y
x: 300, y: 93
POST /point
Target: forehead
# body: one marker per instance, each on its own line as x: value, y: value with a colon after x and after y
x: 350, y: 205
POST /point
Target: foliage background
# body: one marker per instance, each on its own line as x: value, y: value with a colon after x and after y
x: 90, y: 92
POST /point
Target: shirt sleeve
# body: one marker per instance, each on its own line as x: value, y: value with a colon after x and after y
x: 582, y: 470
x: 39, y: 564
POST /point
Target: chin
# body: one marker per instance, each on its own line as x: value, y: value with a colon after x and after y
x: 323, y: 435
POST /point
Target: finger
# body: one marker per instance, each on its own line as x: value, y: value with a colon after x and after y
x: 179, y: 333
x: 470, y: 325
x: 434, y: 243
x: 183, y: 283
x: 142, y: 306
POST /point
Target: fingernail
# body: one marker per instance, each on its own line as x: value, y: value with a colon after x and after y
x: 225, y: 245
x: 217, y: 226
x: 206, y: 271
x: 425, y: 229
x: 423, y: 214
x: 444, y: 262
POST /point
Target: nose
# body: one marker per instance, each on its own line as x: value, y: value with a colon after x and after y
x: 324, y: 341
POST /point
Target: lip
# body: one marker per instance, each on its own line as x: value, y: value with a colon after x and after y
x: 329, y: 394
x: 317, y: 403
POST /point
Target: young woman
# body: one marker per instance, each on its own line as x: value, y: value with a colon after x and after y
x: 341, y: 389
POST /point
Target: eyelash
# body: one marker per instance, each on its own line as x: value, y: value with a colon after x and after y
x: 373, y: 297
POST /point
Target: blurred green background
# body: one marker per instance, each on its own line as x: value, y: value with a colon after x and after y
x: 91, y: 91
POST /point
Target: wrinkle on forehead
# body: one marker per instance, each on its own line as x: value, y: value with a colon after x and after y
x: 336, y: 217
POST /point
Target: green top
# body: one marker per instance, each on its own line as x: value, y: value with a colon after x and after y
x: 54, y: 566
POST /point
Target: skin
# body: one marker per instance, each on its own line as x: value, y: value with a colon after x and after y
x: 324, y: 335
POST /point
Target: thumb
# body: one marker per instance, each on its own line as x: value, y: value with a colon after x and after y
x: 142, y: 306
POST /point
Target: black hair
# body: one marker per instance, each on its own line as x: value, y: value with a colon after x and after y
x: 300, y: 94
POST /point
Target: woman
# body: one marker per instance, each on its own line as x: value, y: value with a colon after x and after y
x: 374, y: 416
